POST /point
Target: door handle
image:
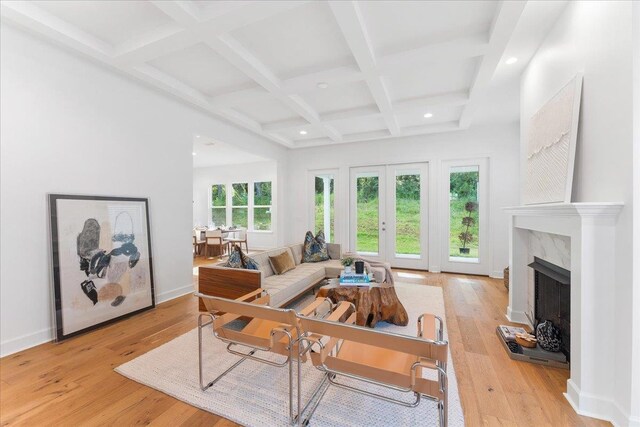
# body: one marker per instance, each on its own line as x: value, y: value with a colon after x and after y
x: 384, y: 229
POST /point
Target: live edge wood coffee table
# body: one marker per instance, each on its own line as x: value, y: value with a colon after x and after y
x: 373, y: 303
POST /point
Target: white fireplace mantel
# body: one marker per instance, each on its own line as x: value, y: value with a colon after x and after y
x: 591, y: 229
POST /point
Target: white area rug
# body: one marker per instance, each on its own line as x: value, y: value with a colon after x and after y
x: 255, y: 394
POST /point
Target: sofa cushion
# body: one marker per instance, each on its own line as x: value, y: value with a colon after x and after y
x: 297, y: 253
x: 315, y: 248
x: 263, y: 261
x: 282, y: 263
x: 334, y: 250
x: 287, y: 286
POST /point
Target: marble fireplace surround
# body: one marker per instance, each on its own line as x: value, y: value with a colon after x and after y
x: 591, y: 230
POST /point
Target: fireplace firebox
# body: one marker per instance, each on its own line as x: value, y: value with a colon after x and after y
x: 553, y: 299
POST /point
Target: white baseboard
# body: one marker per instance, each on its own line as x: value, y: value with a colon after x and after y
x: 598, y: 407
x: 174, y: 293
x: 434, y: 269
x: 24, y: 342
x: 497, y: 274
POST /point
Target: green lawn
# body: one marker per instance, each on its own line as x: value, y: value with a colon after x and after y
x: 407, y: 227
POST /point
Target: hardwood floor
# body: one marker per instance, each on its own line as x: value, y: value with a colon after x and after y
x: 74, y: 383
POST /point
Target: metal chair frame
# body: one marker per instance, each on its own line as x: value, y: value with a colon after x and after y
x: 306, y: 343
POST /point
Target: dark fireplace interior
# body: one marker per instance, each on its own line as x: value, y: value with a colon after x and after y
x: 553, y: 298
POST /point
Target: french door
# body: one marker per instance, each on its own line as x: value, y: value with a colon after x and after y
x: 388, y: 214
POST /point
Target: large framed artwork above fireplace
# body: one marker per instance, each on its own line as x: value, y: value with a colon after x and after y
x: 579, y: 238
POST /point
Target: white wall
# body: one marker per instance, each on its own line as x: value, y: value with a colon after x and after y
x: 203, y: 178
x: 635, y: 376
x: 595, y: 38
x: 71, y: 126
x: 499, y: 143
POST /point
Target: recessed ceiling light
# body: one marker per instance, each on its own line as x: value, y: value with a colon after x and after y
x: 323, y: 85
x: 303, y: 132
x: 511, y: 60
x: 428, y: 115
x: 194, y: 153
x: 197, y: 136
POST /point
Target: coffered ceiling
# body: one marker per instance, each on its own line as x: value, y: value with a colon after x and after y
x: 300, y: 73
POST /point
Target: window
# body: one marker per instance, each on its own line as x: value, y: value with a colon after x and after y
x: 262, y: 206
x: 240, y: 205
x: 367, y: 213
x: 218, y: 205
x: 324, y: 205
x: 464, y: 218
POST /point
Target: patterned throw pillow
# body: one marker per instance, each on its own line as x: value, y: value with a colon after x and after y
x: 314, y: 248
x: 239, y: 260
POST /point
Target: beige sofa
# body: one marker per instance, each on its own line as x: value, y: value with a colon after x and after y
x: 233, y: 283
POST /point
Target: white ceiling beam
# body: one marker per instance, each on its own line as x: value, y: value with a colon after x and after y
x: 377, y: 134
x: 455, y: 50
x: 28, y: 15
x: 415, y: 105
x: 353, y: 28
x: 504, y: 24
x: 252, y: 67
x: 201, y: 27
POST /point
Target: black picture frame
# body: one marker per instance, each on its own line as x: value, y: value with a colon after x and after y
x: 54, y: 219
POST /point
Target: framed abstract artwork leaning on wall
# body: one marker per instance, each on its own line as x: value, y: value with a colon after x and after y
x: 101, y: 259
x: 551, y: 147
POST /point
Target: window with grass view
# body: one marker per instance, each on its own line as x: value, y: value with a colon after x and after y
x: 218, y: 205
x: 262, y: 205
x: 324, y: 206
x: 464, y: 212
x: 407, y: 214
x: 367, y: 213
x: 240, y: 205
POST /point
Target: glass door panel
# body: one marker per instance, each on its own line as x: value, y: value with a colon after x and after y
x: 367, y: 236
x: 407, y: 215
x: 368, y: 214
x: 464, y: 221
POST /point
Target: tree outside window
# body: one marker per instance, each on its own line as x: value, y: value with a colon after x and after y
x: 262, y: 204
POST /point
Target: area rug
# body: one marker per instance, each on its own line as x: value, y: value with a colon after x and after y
x: 255, y: 394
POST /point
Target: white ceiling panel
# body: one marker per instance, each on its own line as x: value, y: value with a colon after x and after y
x: 263, y: 109
x: 260, y: 64
x: 340, y: 98
x: 360, y: 125
x: 203, y: 69
x: 299, y: 41
x: 434, y: 79
x: 441, y: 114
x: 114, y: 22
x: 400, y: 25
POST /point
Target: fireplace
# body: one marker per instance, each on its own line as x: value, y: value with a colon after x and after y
x: 553, y: 299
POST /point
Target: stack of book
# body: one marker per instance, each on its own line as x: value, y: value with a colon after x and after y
x: 353, y: 279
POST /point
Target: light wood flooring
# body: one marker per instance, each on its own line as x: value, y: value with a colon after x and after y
x: 74, y: 383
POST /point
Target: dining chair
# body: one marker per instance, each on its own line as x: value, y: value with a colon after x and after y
x: 240, y: 239
x: 214, y: 239
x: 198, y: 243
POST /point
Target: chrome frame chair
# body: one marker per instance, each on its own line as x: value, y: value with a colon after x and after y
x: 429, y: 350
x: 271, y: 330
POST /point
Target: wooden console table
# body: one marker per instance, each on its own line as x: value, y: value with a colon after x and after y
x: 374, y: 303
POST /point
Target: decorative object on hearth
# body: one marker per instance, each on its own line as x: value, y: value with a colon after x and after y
x: 359, y: 267
x: 548, y: 336
x: 466, y: 236
x: 526, y: 340
x: 101, y: 252
x: 347, y: 262
x: 314, y: 249
x: 551, y: 147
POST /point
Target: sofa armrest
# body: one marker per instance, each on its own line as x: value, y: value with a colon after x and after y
x: 335, y: 250
x: 231, y: 283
